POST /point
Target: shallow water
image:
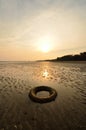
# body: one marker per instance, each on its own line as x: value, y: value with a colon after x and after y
x: 17, y: 111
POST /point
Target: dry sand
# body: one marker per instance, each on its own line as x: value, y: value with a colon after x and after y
x: 18, y: 112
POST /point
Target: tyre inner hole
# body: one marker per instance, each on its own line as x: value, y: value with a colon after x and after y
x: 42, y: 94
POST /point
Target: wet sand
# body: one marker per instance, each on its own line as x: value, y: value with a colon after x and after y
x: 18, y: 112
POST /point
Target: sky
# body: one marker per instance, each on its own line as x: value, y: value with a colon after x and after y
x: 41, y: 29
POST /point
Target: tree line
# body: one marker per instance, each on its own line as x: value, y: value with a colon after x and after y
x: 77, y: 57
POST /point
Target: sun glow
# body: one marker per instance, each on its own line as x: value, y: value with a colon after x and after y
x: 45, y: 48
x: 45, y: 44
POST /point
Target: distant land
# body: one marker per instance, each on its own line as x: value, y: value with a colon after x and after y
x: 76, y: 57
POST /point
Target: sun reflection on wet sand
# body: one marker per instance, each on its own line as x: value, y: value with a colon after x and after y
x: 45, y: 73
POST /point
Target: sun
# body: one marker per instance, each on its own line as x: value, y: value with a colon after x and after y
x: 45, y: 47
x: 45, y: 44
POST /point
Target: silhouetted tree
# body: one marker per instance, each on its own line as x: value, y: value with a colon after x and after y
x: 80, y: 57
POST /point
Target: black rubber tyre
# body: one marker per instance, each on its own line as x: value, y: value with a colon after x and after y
x: 35, y: 98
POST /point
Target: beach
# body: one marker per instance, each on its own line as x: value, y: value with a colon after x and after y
x: 19, y: 112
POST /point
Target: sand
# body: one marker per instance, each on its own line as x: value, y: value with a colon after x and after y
x: 18, y: 112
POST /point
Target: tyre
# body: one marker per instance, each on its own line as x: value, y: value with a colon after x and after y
x: 33, y: 94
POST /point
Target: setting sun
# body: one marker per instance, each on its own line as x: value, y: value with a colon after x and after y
x: 45, y: 48
x: 45, y: 44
